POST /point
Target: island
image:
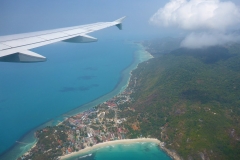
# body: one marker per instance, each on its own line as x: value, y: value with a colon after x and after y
x: 186, y: 100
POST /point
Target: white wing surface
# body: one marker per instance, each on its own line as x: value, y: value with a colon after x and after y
x: 15, y: 48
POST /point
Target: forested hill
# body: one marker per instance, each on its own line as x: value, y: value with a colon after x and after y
x: 189, y: 99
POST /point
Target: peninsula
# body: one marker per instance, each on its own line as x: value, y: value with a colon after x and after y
x: 100, y: 126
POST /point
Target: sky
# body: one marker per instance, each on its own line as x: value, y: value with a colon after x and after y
x: 34, y: 15
x: 202, y: 23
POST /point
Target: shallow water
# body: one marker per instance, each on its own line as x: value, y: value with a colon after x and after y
x: 140, y: 151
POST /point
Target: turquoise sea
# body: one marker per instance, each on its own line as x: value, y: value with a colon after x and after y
x: 74, y: 78
x: 139, y: 151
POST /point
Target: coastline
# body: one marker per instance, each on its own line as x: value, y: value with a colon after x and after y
x: 140, y: 55
x: 172, y: 154
x: 108, y: 143
x: 86, y: 150
x: 144, y: 56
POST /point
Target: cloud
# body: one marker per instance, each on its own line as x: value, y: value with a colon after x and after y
x: 197, y: 14
x: 205, y: 39
x: 200, y: 17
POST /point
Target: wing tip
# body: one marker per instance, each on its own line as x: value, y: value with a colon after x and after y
x: 119, y: 22
x: 120, y: 19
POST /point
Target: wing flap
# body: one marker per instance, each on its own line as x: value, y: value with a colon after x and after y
x: 81, y: 39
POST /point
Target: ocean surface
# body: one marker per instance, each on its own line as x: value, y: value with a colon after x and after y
x: 74, y: 78
x: 139, y: 151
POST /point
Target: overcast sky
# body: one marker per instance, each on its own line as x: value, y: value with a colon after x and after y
x: 203, y: 21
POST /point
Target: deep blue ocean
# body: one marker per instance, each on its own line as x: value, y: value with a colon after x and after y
x: 34, y: 95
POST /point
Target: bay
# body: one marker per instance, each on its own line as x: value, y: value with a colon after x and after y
x: 140, y: 151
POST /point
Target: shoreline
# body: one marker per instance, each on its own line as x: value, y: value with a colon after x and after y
x: 140, y: 55
x: 108, y: 143
x: 172, y: 154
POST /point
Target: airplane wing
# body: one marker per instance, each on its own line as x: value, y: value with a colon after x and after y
x: 15, y: 48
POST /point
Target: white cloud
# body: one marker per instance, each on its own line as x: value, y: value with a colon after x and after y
x: 197, y: 14
x: 203, y: 16
x: 206, y: 39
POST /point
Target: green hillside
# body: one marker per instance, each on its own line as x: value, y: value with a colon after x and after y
x: 189, y: 99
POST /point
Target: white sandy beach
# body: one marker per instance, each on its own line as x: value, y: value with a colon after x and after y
x: 123, y: 141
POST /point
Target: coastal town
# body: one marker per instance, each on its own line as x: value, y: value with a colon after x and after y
x: 99, y: 124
